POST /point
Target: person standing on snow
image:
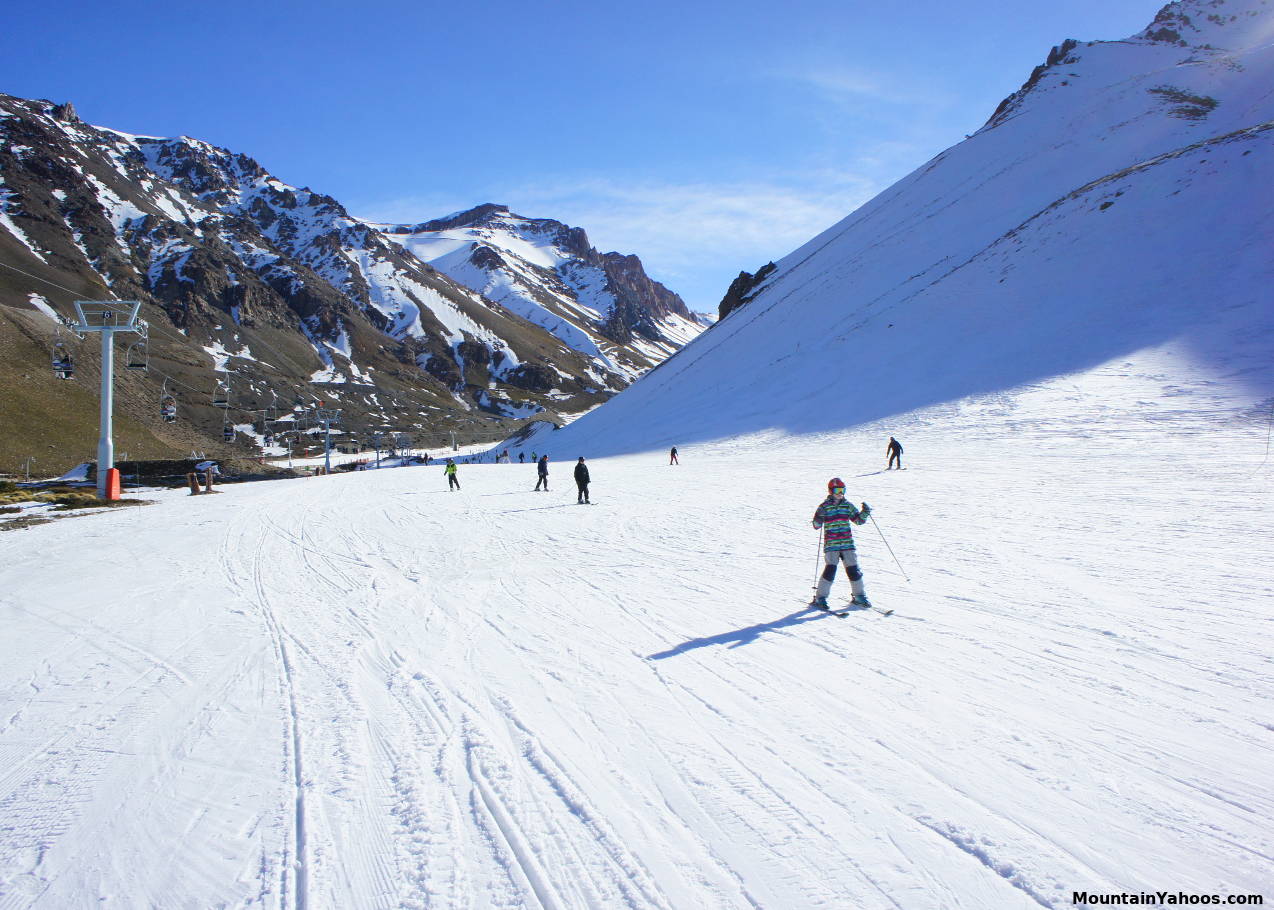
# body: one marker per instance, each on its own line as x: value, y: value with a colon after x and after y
x: 581, y: 481
x: 672, y: 456
x: 542, y: 469
x: 521, y: 457
x: 453, y: 482
x: 895, y: 453
x: 834, y: 516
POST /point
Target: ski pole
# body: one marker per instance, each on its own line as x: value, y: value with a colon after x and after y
x: 889, y: 548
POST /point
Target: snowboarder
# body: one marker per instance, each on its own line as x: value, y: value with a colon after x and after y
x: 672, y: 456
x: 895, y: 453
x: 542, y: 469
x: 453, y: 482
x: 834, y: 515
x: 581, y: 481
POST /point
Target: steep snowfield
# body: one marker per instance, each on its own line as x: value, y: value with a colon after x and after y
x: 1092, y: 223
x: 365, y: 691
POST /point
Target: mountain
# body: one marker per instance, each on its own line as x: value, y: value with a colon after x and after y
x: 1112, y: 216
x: 601, y: 304
x: 276, y: 289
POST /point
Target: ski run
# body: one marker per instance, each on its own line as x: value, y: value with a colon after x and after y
x: 362, y: 690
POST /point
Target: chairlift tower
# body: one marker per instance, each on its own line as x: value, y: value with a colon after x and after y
x: 327, y: 416
x: 107, y: 317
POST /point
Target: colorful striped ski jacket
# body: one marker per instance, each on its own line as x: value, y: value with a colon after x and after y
x: 834, y: 516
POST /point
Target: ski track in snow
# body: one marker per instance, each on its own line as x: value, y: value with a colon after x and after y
x: 364, y: 690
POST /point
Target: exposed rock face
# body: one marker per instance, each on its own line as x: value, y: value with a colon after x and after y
x: 229, y: 258
x: 603, y: 305
x: 742, y: 289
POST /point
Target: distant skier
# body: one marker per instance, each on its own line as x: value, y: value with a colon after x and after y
x: 895, y: 453
x: 542, y: 469
x: 835, y: 515
x: 521, y: 457
x: 672, y: 456
x: 581, y: 481
x: 453, y: 482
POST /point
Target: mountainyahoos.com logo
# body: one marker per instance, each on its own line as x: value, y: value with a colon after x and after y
x: 1165, y: 899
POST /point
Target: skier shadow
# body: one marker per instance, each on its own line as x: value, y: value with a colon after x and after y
x: 536, y: 509
x: 745, y: 636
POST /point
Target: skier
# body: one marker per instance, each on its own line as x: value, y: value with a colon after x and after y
x: 835, y: 515
x: 521, y: 457
x: 672, y: 456
x: 581, y: 481
x: 542, y: 469
x: 895, y: 453
x: 453, y: 482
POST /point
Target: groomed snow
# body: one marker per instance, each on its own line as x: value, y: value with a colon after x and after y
x: 365, y: 691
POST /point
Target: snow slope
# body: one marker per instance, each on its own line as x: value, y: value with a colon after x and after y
x: 1099, y: 218
x: 365, y: 691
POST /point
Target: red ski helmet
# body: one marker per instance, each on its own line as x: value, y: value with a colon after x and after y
x: 834, y: 483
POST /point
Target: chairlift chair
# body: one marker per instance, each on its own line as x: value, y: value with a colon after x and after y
x: 227, y: 433
x: 63, y: 364
x: 221, y: 394
x: 138, y: 356
x: 167, y: 403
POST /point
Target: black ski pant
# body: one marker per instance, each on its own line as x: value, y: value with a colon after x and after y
x: 452, y: 482
x: 544, y: 479
x: 895, y: 456
x: 583, y: 492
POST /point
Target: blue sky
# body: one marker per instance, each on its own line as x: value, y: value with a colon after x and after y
x: 706, y: 137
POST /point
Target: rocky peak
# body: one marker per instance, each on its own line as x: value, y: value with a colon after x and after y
x: 1213, y: 24
x: 66, y: 113
x: 468, y: 218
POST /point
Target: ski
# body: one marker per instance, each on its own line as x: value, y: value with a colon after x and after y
x: 852, y: 609
x: 841, y: 613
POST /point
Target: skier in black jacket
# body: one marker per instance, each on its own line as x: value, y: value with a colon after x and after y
x: 895, y: 453
x: 581, y: 481
x: 542, y: 469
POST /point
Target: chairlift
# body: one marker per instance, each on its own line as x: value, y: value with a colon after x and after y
x: 138, y: 356
x: 227, y: 432
x: 167, y: 404
x: 63, y: 363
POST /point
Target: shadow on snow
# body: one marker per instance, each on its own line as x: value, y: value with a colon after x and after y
x: 746, y: 635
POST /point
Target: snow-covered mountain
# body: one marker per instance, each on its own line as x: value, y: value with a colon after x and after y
x: 373, y: 692
x: 1113, y: 214
x: 307, y: 299
x: 601, y: 304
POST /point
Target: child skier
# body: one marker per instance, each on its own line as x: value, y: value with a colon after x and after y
x: 453, y: 482
x: 835, y: 515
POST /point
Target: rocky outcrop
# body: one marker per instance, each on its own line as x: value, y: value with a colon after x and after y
x: 743, y: 288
